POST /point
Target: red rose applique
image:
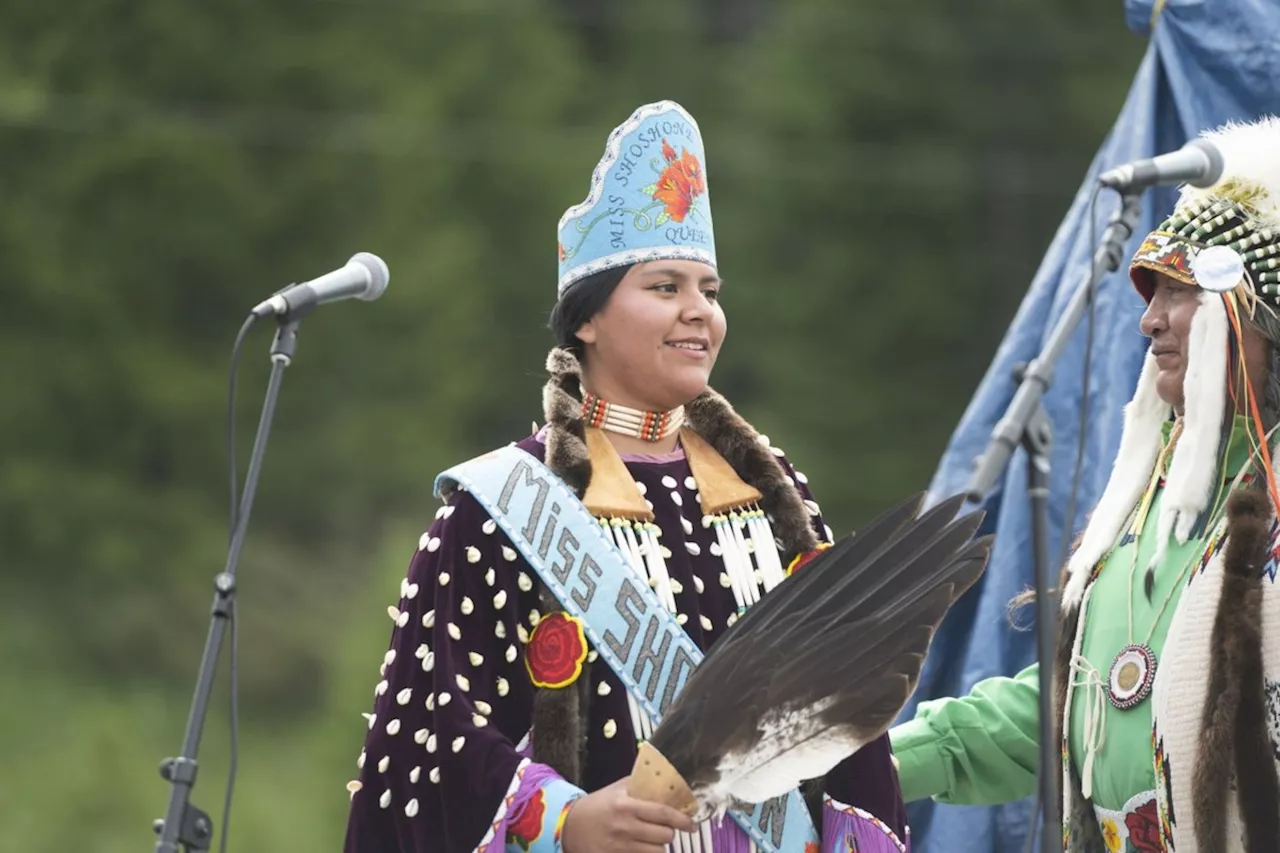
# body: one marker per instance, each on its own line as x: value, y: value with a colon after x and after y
x: 557, y: 647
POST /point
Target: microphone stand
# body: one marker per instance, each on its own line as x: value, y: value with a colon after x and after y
x: 1025, y: 424
x: 184, y: 824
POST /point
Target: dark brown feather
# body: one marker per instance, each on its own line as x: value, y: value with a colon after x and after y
x: 841, y: 641
x: 812, y: 584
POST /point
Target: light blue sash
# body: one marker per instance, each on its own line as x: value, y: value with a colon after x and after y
x: 621, y: 616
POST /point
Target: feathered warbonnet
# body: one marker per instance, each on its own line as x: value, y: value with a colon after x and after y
x: 1225, y: 239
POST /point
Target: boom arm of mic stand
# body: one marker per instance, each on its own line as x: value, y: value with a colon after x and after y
x: 183, y: 824
x: 1008, y: 432
x: 1025, y: 423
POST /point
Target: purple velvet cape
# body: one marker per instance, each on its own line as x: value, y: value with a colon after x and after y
x: 452, y: 709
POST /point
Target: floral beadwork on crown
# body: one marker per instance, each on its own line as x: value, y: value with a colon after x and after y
x: 679, y: 185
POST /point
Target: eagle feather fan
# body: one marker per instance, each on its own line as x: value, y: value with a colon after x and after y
x: 820, y: 667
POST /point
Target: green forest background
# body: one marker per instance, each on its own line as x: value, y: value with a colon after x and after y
x: 886, y: 177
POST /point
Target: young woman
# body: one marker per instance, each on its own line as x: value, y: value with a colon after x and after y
x: 494, y: 722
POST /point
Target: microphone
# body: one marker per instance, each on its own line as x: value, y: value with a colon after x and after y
x: 364, y: 277
x: 1198, y: 163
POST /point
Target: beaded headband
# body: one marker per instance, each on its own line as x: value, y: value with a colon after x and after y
x: 1173, y: 247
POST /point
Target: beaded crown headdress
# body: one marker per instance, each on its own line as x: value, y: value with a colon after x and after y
x: 648, y: 200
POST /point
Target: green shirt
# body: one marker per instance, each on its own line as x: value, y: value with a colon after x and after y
x: 982, y: 748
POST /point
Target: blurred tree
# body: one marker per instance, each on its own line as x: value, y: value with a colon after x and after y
x: 902, y: 169
x: 167, y: 171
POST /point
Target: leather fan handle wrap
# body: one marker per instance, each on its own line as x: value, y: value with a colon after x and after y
x: 654, y: 780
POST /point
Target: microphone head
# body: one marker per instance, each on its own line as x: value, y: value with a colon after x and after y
x: 379, y: 275
x: 1216, y: 163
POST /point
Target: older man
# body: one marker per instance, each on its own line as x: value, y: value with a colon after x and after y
x: 1168, y: 669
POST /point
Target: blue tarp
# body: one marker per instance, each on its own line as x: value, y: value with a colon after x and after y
x: 1209, y: 61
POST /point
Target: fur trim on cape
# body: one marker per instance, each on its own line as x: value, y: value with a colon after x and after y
x: 1236, y: 742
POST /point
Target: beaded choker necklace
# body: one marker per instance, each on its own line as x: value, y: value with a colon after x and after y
x: 649, y: 426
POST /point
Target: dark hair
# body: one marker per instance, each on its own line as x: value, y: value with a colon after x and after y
x: 583, y: 300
